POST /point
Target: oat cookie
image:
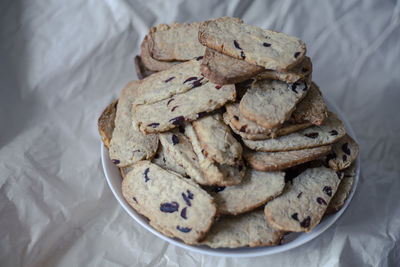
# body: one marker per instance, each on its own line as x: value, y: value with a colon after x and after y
x: 246, y: 230
x: 106, y: 123
x: 312, y: 108
x: 344, y: 153
x: 165, y: 160
x: 128, y: 144
x: 256, y: 189
x: 141, y: 70
x: 270, y: 103
x: 176, y: 80
x: 184, y: 210
x: 265, y: 48
x: 343, y: 191
x: 151, y: 63
x: 216, y: 174
x: 275, y: 161
x: 181, y: 150
x: 304, y: 201
x: 175, y: 42
x: 169, y: 113
x: 329, y: 132
x: 217, y: 141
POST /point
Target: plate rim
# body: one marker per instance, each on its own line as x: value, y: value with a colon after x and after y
x: 239, y: 252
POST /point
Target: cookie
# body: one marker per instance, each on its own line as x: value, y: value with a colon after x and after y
x: 176, y: 80
x: 141, y: 71
x: 286, y: 128
x: 128, y: 144
x: 165, y: 160
x: 270, y: 103
x: 106, y: 123
x: 256, y: 189
x: 343, y: 191
x: 303, y: 203
x: 246, y: 230
x: 344, y: 153
x: 329, y: 132
x: 312, y: 108
x: 216, y: 174
x: 217, y: 141
x: 174, y: 206
x: 181, y: 150
x: 222, y: 69
x: 191, y: 105
x: 276, y: 161
x: 175, y: 42
x: 265, y: 48
x: 151, y: 63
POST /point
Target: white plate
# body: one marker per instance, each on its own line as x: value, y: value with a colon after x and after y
x: 293, y: 240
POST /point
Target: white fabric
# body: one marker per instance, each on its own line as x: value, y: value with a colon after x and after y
x: 62, y: 62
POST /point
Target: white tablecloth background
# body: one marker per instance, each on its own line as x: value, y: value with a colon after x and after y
x: 62, y: 62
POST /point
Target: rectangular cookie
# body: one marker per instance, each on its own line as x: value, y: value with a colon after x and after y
x: 174, y: 206
x: 304, y: 202
x: 270, y: 103
x: 265, y: 48
x: 344, y: 153
x: 128, y: 144
x: 329, y: 132
x: 256, y: 189
x: 276, y: 161
x: 177, y: 42
x: 216, y: 140
x: 191, y: 105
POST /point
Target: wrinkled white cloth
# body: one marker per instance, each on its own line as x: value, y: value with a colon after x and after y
x: 62, y: 62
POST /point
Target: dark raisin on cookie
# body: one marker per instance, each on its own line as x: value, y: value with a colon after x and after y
x: 218, y: 87
x: 266, y: 44
x: 293, y: 87
x: 306, y: 222
x: 190, y: 194
x: 180, y: 120
x: 312, y: 135
x: 169, y: 79
x: 236, y: 117
x: 242, y: 55
x: 296, y: 54
x: 327, y: 190
x: 183, y: 213
x: 183, y: 229
x: 169, y: 101
x: 115, y: 161
x: 334, y: 132
x: 243, y: 129
x: 199, y: 58
x: 236, y: 44
x: 190, y: 79
x: 346, y: 149
x: 134, y: 198
x: 295, y: 216
x: 321, y: 201
x: 169, y: 207
x: 175, y: 139
x: 153, y: 125
x: 330, y: 156
x: 187, y: 200
x: 181, y: 129
x: 172, y: 110
x: 299, y: 195
x: 146, y: 177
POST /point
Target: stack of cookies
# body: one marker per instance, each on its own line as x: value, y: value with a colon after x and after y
x: 226, y: 141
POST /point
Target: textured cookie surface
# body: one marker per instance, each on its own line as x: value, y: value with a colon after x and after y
x: 255, y: 190
x: 270, y: 103
x: 344, y: 153
x: 275, y: 161
x: 329, y: 132
x: 141, y: 70
x: 304, y: 201
x: 165, y: 160
x: 269, y: 49
x: 246, y: 230
x: 181, y: 150
x: 217, y: 141
x: 176, y: 80
x: 169, y: 113
x: 106, y: 123
x: 149, y: 62
x: 312, y: 108
x: 176, y: 42
x: 128, y: 144
x: 343, y: 191
x: 216, y: 174
x: 176, y: 207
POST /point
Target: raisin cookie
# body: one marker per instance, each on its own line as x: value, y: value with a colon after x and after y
x: 174, y: 206
x: 265, y: 48
x: 304, y: 202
